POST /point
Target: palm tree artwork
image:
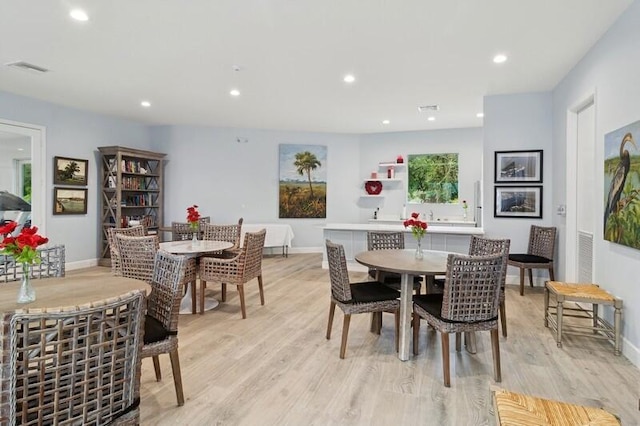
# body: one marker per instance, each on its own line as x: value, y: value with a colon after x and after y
x: 303, y: 182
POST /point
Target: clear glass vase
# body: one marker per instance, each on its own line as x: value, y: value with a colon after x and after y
x: 27, y: 293
x: 419, y: 254
x: 194, y: 241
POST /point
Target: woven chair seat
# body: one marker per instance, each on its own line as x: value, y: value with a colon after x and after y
x: 524, y: 410
x: 431, y: 305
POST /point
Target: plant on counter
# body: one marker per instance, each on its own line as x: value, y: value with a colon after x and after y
x: 465, y: 206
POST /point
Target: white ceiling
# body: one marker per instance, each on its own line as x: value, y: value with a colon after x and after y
x: 294, y: 54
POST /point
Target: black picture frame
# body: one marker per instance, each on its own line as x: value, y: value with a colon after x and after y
x: 69, y: 201
x: 518, y: 166
x: 70, y: 171
x: 518, y: 201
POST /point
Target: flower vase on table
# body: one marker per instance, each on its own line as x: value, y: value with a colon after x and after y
x: 465, y: 206
x: 418, y: 229
x: 23, y: 249
x: 27, y: 293
x: 193, y: 217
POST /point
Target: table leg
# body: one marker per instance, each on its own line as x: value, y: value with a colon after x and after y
x: 187, y: 302
x: 406, y: 308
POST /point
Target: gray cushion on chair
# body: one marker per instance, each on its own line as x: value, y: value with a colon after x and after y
x: 372, y: 291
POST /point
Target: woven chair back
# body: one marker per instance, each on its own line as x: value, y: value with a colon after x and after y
x: 77, y: 365
x: 480, y: 246
x: 542, y: 241
x: 134, y: 231
x: 338, y: 273
x: 137, y: 256
x: 251, y: 255
x: 181, y: 231
x: 163, y: 303
x: 52, y: 264
x: 229, y: 233
x: 385, y: 240
x: 472, y: 287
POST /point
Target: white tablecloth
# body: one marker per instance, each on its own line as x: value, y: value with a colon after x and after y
x: 277, y: 235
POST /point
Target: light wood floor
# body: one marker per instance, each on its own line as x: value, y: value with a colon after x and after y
x: 277, y: 368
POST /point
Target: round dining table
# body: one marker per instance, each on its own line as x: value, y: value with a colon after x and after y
x: 405, y: 263
x: 188, y: 248
x: 75, y: 289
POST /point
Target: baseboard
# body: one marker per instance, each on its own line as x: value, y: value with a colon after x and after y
x: 87, y: 263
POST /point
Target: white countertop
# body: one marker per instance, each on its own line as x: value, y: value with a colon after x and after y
x: 461, y: 230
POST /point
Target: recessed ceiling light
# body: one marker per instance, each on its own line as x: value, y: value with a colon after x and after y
x: 432, y: 118
x: 349, y: 78
x: 385, y: 122
x: 498, y: 59
x: 79, y: 15
x: 145, y: 104
x: 480, y: 115
x: 20, y: 149
x: 234, y: 92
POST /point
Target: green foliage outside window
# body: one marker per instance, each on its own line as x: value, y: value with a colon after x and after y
x: 433, y: 178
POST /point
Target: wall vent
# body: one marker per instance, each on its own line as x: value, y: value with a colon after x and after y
x: 427, y: 108
x: 585, y: 257
x: 26, y: 66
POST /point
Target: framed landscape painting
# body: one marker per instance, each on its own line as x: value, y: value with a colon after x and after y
x: 518, y: 201
x: 518, y: 166
x: 70, y: 171
x: 69, y: 201
x: 303, y: 181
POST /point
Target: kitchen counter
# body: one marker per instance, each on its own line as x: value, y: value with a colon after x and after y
x: 353, y: 236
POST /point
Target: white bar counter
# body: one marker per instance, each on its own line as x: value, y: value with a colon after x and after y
x: 353, y: 236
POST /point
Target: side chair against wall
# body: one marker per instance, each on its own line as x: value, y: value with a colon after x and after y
x: 480, y: 246
x: 52, y: 264
x: 469, y: 304
x: 356, y: 298
x: 73, y: 365
x: 539, y: 255
x: 134, y: 231
x: 163, y: 310
x: 137, y: 260
x: 237, y: 270
x: 229, y: 233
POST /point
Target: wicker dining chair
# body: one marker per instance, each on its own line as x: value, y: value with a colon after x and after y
x: 539, y: 255
x: 356, y: 298
x: 228, y: 233
x: 137, y: 260
x: 163, y: 310
x: 181, y: 231
x: 52, y: 264
x: 469, y: 304
x: 73, y: 365
x: 480, y: 246
x: 389, y: 240
x: 237, y: 270
x: 134, y: 231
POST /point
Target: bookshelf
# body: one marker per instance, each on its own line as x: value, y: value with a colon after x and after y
x: 132, y: 192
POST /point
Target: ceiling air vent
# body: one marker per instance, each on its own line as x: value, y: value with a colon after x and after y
x: 427, y: 108
x: 26, y: 66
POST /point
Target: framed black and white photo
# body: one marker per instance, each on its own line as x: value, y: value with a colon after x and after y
x: 518, y: 166
x: 518, y: 201
x: 70, y: 171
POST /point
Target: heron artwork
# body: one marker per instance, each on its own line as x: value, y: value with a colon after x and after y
x: 619, y: 178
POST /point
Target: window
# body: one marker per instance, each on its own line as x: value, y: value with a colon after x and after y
x: 433, y: 178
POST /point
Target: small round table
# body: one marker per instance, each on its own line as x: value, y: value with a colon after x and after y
x: 187, y: 248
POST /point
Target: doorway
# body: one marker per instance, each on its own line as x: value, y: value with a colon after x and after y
x: 18, y: 136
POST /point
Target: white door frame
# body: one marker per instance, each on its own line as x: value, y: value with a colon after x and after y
x: 571, y: 229
x: 37, y: 134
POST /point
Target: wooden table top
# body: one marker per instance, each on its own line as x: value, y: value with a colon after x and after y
x: 73, y: 290
x: 404, y: 261
x: 187, y: 247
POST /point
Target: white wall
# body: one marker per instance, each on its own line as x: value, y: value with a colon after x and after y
x: 228, y: 180
x: 385, y: 147
x: 610, y: 70
x: 73, y: 133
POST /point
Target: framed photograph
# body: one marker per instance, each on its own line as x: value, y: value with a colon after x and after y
x: 518, y: 201
x: 70, y: 171
x: 69, y: 201
x: 518, y: 166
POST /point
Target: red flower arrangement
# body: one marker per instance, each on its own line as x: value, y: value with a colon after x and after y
x: 418, y: 227
x: 193, y: 217
x: 23, y: 247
